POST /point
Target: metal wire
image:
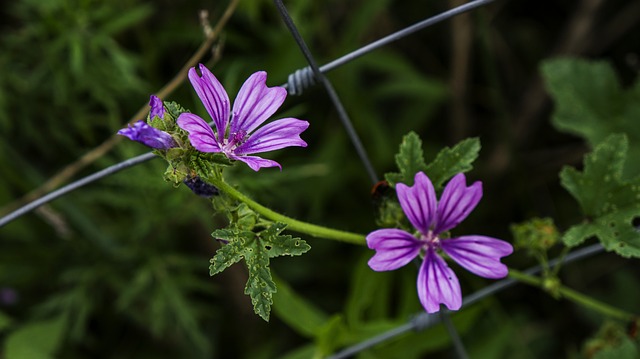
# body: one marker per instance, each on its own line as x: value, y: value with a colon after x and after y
x: 298, y: 81
x: 342, y: 113
x: 423, y: 320
x: 304, y: 78
x: 75, y: 185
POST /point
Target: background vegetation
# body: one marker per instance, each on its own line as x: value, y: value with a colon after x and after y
x: 119, y: 269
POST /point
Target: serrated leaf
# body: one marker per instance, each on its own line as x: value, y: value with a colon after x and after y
x: 260, y: 286
x: 286, y: 245
x: 451, y: 161
x: 231, y: 252
x: 256, y: 249
x: 609, y: 203
x: 590, y: 102
x: 409, y: 159
x: 447, y: 163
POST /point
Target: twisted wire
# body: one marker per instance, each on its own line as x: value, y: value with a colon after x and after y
x: 342, y: 113
x: 304, y: 78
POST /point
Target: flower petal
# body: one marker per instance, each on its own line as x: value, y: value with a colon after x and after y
x: 437, y: 284
x: 456, y: 202
x: 213, y: 97
x: 157, y: 107
x: 201, y: 135
x: 418, y: 202
x: 256, y: 162
x: 394, y: 248
x: 255, y: 103
x: 148, y: 136
x: 479, y: 255
x: 275, y: 135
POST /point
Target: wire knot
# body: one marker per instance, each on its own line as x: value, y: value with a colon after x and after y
x: 300, y: 80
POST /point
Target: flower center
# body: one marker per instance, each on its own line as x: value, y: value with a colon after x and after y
x: 430, y: 240
x: 235, y: 139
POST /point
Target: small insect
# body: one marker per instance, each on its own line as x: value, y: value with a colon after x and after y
x: 380, y: 190
x: 200, y: 187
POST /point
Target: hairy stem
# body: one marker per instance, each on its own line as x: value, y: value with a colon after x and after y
x: 574, y: 296
x: 292, y: 224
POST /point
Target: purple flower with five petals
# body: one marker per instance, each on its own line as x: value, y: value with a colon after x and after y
x: 237, y: 134
x: 437, y: 283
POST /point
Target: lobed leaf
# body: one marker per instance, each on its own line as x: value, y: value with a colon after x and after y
x: 591, y: 103
x: 451, y: 161
x: 609, y: 203
x: 409, y: 159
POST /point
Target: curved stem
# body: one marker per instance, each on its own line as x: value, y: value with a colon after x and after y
x: 574, y: 296
x: 292, y: 224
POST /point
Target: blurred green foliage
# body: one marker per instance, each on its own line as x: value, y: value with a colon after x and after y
x: 119, y: 268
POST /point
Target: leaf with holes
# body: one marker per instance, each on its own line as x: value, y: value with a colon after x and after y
x: 256, y: 249
x: 608, y: 202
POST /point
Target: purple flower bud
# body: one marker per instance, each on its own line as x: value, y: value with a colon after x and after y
x: 157, y: 108
x: 148, y: 136
x: 200, y: 187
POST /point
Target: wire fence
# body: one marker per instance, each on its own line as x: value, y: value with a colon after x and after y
x: 297, y: 83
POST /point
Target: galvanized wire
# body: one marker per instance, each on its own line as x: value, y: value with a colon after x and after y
x: 75, y: 185
x: 422, y: 321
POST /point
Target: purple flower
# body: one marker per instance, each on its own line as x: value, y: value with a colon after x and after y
x: 237, y: 133
x: 157, y: 107
x: 148, y: 136
x: 437, y: 283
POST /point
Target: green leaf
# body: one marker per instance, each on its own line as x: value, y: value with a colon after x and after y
x: 590, y: 102
x: 256, y: 249
x: 38, y: 340
x: 451, y: 161
x: 609, y: 203
x: 260, y: 286
x: 448, y: 162
x: 231, y: 252
x: 409, y: 159
x: 286, y: 245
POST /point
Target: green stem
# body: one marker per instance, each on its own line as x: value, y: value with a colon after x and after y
x: 292, y: 224
x: 574, y: 296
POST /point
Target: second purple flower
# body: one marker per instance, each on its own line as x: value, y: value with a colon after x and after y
x: 437, y: 284
x: 236, y: 132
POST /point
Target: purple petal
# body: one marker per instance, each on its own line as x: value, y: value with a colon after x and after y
x: 255, y: 103
x: 200, y: 134
x: 437, y: 284
x: 456, y: 202
x: 275, y: 135
x: 255, y: 162
x: 157, y: 108
x: 394, y: 248
x: 418, y: 202
x: 213, y: 97
x: 479, y: 255
x: 148, y: 136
